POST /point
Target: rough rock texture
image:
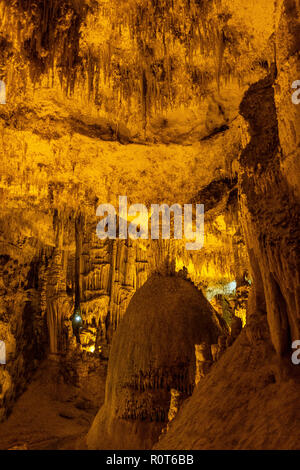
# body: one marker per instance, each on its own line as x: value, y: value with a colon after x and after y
x: 273, y: 236
x: 164, y: 321
x: 288, y: 70
x: 141, y: 63
x: 52, y: 415
x: 166, y: 102
x: 244, y: 403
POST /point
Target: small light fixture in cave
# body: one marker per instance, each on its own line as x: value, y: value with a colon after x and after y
x: 77, y: 323
x: 77, y: 318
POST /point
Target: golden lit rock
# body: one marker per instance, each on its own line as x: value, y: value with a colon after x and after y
x: 164, y: 102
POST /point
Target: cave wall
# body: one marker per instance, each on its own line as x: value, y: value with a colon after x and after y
x: 23, y: 310
x: 38, y: 292
x: 269, y: 193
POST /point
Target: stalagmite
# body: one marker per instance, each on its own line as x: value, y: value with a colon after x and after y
x: 58, y: 305
x: 161, y: 357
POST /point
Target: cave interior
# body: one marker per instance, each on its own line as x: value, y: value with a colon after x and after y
x: 135, y: 342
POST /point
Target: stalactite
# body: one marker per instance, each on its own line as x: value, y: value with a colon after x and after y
x: 156, y: 29
x: 221, y: 49
x: 78, y: 260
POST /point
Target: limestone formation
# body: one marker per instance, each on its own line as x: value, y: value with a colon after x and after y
x: 203, y: 360
x: 175, y: 402
x: 166, y: 102
x: 160, y: 346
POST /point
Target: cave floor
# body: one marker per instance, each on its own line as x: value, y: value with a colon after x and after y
x: 49, y: 416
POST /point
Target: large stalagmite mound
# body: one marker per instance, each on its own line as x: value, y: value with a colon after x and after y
x: 153, y: 351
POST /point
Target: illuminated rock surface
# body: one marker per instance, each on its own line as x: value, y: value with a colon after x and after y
x: 164, y: 101
x: 164, y: 321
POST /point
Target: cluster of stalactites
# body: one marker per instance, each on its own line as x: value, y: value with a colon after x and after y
x: 153, y: 52
x: 133, y: 56
x: 45, y: 34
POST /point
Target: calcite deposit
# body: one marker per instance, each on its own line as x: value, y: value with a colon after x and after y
x: 164, y: 102
x: 164, y: 321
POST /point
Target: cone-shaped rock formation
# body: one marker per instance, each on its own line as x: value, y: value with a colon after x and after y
x: 153, y: 351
